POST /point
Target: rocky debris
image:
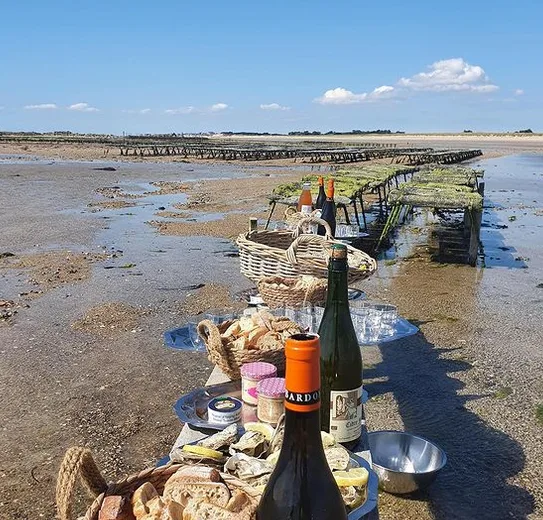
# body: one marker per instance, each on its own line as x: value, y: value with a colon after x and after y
x: 116, y: 192
x: 110, y: 204
x: 111, y: 318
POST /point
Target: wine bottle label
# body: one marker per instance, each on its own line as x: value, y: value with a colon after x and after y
x: 346, y: 414
x: 306, y: 210
x: 305, y: 398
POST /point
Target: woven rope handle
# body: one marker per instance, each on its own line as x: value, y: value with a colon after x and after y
x: 77, y: 462
x: 211, y: 335
x: 290, y: 253
x: 311, y: 288
x: 312, y: 220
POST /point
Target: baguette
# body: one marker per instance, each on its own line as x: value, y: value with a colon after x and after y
x: 214, y: 492
x: 197, y: 510
x: 193, y: 474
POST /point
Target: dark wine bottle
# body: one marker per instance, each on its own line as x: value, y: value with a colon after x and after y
x: 329, y: 210
x: 321, y: 197
x: 301, y: 486
x: 341, y: 359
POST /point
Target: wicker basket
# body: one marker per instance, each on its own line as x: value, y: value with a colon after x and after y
x: 291, y: 295
x: 229, y: 357
x: 78, y: 462
x: 289, y: 254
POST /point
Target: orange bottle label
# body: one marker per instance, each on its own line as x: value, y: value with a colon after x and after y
x: 302, y: 378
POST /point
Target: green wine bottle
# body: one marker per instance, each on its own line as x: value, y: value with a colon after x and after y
x: 341, y: 359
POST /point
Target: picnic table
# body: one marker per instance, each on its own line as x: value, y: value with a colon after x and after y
x: 189, y: 434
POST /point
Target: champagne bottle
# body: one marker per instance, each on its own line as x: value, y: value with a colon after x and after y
x: 301, y: 486
x: 321, y: 197
x: 341, y: 360
x: 305, y: 202
x: 329, y: 210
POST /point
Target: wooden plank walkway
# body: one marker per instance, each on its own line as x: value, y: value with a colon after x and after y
x: 334, y: 155
x: 439, y: 156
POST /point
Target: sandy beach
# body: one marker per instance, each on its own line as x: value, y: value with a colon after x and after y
x: 98, y: 264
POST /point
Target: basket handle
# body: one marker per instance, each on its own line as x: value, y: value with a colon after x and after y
x: 211, y: 335
x: 77, y: 462
x: 290, y: 253
x: 311, y: 289
x: 313, y: 220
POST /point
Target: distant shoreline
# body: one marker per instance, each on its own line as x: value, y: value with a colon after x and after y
x: 492, y: 145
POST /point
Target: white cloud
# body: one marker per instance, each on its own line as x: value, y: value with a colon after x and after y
x: 341, y: 96
x: 442, y: 76
x: 43, y: 106
x: 83, y: 107
x: 450, y: 75
x: 142, y: 111
x: 519, y: 92
x: 218, y: 107
x: 273, y: 106
x: 181, y: 110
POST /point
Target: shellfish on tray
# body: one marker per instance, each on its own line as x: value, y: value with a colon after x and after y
x: 251, y: 443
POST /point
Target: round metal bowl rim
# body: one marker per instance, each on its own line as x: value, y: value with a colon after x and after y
x: 443, y: 454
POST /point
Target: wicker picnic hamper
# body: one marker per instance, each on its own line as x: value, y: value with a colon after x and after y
x: 277, y: 291
x: 229, y: 357
x: 78, y: 462
x: 289, y: 254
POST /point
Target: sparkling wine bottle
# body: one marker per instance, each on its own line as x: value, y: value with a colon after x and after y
x: 341, y: 359
x: 329, y: 210
x: 301, y: 486
x: 321, y: 197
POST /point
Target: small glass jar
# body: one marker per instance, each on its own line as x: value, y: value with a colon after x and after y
x: 251, y: 374
x: 271, y: 399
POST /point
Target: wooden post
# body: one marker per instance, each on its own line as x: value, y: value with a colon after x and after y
x: 476, y: 218
x: 272, y: 208
x: 363, y: 213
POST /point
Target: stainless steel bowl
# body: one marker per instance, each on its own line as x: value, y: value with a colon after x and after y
x: 404, y: 462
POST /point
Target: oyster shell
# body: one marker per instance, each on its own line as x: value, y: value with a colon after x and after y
x: 249, y: 469
x: 221, y: 439
x: 251, y: 443
x: 337, y: 457
x: 353, y: 496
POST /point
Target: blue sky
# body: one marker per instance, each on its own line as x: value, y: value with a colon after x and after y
x: 277, y: 66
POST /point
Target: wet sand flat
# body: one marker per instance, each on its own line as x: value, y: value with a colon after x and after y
x: 84, y: 363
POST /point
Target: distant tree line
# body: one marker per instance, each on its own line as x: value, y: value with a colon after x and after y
x: 352, y: 132
x: 248, y: 133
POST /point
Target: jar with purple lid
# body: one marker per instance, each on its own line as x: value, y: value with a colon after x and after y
x: 251, y: 374
x: 271, y: 399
